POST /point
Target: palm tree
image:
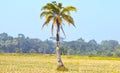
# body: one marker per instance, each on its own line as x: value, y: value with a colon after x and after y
x: 56, y: 13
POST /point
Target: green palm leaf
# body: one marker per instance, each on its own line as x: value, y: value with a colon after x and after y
x: 48, y: 19
x: 46, y: 13
x: 68, y: 9
x: 68, y: 19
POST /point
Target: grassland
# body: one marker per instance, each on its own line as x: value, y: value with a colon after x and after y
x: 35, y: 63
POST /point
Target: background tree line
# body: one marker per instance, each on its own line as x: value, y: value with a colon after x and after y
x: 22, y: 44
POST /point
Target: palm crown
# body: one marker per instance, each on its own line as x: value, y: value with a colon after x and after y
x: 56, y: 13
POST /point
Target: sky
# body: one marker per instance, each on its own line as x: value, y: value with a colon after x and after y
x: 94, y: 19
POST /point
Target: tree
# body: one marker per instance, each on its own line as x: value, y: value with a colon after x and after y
x: 32, y: 51
x: 56, y: 13
x: 117, y: 50
x: 92, y: 45
x: 18, y: 50
x: 63, y: 51
x: 3, y: 36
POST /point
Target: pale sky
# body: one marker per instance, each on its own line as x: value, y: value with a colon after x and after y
x: 95, y: 19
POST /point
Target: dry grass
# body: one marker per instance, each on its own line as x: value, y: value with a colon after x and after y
x: 33, y: 63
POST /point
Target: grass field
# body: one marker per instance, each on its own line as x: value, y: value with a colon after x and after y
x: 35, y: 63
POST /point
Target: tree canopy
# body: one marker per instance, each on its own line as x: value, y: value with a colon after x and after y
x: 23, y: 44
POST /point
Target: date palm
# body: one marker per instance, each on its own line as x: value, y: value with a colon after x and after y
x: 56, y: 13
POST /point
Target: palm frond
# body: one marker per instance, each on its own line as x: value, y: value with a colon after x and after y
x: 51, y: 7
x: 46, y: 13
x: 71, y: 8
x: 68, y: 19
x: 68, y: 9
x: 60, y: 5
x: 47, y: 21
x: 48, y: 18
x: 54, y: 20
x: 54, y: 2
x: 63, y: 31
x: 53, y: 24
x: 47, y: 7
x: 43, y: 25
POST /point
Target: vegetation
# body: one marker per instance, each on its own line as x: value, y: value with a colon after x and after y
x: 22, y: 44
x: 56, y: 13
x: 37, y: 63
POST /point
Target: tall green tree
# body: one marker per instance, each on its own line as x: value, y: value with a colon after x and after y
x: 56, y: 13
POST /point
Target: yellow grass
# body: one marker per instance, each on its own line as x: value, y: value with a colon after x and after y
x: 34, y: 63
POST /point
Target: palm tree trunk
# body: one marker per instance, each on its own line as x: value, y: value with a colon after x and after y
x: 60, y: 63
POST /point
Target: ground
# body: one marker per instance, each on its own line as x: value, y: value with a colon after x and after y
x: 37, y: 63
